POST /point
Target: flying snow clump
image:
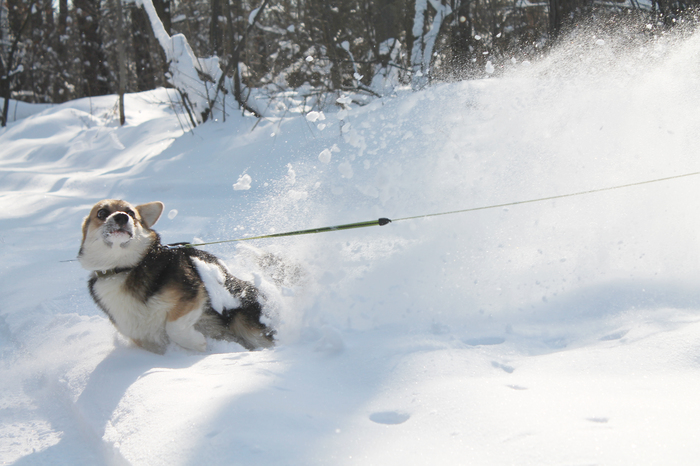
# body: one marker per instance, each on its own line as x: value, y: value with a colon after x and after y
x: 325, y: 156
x: 243, y: 183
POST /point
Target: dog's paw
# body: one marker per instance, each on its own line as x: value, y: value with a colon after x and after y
x: 201, y: 346
x: 194, y: 342
x: 186, y: 336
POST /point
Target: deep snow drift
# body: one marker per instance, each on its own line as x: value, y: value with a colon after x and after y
x: 559, y: 332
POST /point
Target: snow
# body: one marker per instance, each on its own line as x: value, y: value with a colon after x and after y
x: 214, y: 281
x: 184, y: 67
x: 557, y: 332
x: 19, y: 110
x: 345, y: 169
x: 253, y: 15
x: 243, y: 183
x: 325, y: 156
x: 315, y: 116
x: 345, y: 101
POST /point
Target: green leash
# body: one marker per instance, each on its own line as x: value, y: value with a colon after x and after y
x: 349, y: 226
x: 385, y: 221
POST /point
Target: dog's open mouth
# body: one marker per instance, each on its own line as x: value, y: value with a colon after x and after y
x: 122, y: 232
x: 117, y: 235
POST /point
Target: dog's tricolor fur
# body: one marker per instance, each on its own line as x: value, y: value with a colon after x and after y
x: 154, y: 294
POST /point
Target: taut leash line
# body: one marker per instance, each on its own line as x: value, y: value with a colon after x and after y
x: 348, y: 226
x: 384, y: 221
x: 541, y: 199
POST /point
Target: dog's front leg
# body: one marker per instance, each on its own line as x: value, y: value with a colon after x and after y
x: 181, y: 331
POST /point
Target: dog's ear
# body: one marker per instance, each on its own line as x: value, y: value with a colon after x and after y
x: 86, y: 223
x: 150, y: 213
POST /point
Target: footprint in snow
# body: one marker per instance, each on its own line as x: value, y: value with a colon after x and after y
x: 614, y: 336
x: 484, y: 341
x: 516, y: 387
x: 505, y: 367
x: 598, y: 420
x: 389, y: 417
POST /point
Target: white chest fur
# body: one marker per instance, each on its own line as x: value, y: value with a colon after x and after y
x: 134, y: 318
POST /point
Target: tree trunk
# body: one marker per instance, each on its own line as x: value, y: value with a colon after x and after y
x: 328, y: 33
x: 424, y: 41
x: 141, y: 44
x: 121, y: 57
x: 5, y: 91
x: 555, y: 17
x: 8, y: 66
x: 215, y: 34
x: 94, y: 76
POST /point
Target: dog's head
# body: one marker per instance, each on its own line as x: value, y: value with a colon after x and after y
x: 117, y: 234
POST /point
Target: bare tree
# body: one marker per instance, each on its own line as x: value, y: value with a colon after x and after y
x: 11, y: 60
x: 426, y: 28
x: 95, y: 78
x: 121, y: 57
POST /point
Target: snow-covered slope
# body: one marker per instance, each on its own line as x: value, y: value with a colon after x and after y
x: 559, y: 332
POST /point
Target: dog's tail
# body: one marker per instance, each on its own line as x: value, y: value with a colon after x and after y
x: 250, y: 332
x: 238, y: 326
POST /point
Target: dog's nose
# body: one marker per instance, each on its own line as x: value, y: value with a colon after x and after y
x: 121, y: 218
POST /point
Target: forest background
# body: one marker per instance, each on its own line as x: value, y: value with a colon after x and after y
x: 257, y: 51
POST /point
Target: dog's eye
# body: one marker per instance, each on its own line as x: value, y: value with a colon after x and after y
x: 102, y: 214
x: 131, y: 213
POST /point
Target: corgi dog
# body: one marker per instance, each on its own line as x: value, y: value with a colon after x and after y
x: 156, y: 294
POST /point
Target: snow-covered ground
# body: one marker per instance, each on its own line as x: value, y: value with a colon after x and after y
x: 560, y: 332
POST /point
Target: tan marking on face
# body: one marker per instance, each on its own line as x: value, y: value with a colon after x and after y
x: 92, y: 222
